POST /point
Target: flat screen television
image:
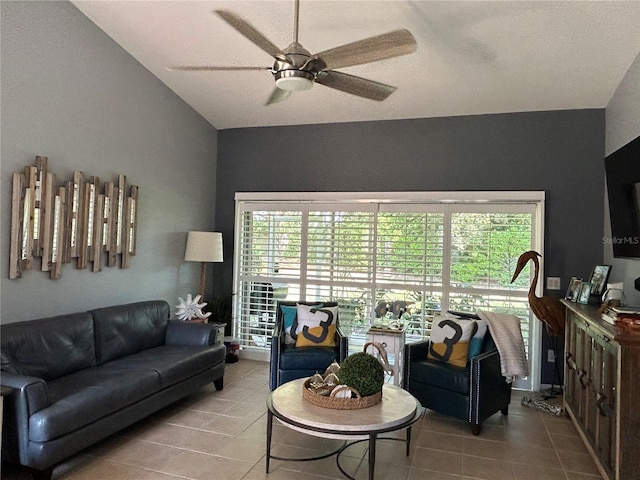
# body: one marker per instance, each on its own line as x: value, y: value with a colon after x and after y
x: 623, y: 185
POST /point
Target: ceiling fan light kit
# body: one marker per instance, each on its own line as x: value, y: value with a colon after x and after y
x: 295, y: 69
x: 289, y: 69
x: 294, y: 80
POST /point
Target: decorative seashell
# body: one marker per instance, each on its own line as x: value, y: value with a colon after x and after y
x: 331, y: 379
x: 317, y: 379
x: 333, y: 368
x: 325, y: 390
x: 343, y: 391
x: 191, y: 308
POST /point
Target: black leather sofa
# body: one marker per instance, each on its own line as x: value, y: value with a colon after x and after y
x: 79, y: 378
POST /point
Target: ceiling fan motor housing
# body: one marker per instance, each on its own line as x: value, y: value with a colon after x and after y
x: 287, y: 69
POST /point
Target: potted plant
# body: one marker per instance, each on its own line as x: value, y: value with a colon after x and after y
x: 362, y: 371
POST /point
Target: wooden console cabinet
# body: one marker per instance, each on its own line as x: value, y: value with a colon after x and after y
x: 602, y: 390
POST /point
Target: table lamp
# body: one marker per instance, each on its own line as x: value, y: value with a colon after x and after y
x: 203, y: 247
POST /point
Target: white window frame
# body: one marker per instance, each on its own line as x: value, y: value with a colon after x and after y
x: 306, y: 201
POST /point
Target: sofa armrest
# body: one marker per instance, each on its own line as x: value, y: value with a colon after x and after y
x: 278, y: 335
x: 342, y: 341
x: 412, y: 352
x: 489, y: 390
x: 487, y: 367
x: 278, y: 331
x: 29, y: 396
x: 183, y: 333
x: 277, y: 341
x: 30, y: 390
x: 415, y: 351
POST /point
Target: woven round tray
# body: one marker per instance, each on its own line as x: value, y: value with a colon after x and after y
x: 340, y: 403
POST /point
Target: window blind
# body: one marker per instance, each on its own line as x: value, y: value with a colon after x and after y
x: 420, y: 258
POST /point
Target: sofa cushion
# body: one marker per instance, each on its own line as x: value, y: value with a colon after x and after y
x: 85, y: 396
x: 50, y: 347
x: 317, y: 358
x: 174, y: 363
x: 317, y: 337
x: 440, y: 374
x: 310, y: 317
x: 449, y: 340
x: 126, y: 329
x: 289, y: 317
x: 477, y: 341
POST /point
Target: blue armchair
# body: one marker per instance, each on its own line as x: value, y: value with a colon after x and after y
x: 471, y: 393
x: 289, y: 362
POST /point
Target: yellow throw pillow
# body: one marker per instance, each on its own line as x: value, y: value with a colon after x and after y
x: 317, y: 337
x: 449, y: 340
x: 310, y: 317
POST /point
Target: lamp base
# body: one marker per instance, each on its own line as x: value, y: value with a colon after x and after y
x: 203, y: 275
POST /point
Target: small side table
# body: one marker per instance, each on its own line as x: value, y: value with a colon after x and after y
x: 219, y: 331
x: 393, y: 343
x: 219, y: 335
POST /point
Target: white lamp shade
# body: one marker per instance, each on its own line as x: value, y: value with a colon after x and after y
x: 204, y: 247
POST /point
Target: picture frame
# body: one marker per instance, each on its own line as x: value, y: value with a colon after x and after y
x: 585, y: 293
x: 573, y: 289
x: 598, y: 279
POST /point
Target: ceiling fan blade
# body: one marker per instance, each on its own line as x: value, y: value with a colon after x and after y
x: 372, y: 49
x: 278, y: 95
x: 250, y: 32
x: 210, y: 68
x: 355, y: 85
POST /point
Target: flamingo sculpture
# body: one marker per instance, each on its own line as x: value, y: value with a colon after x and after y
x: 548, y: 309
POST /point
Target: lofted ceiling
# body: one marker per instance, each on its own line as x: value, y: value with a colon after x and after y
x: 473, y: 57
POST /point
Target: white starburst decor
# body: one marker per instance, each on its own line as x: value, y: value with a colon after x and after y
x: 191, y: 309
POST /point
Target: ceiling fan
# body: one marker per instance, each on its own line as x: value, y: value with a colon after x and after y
x: 295, y: 69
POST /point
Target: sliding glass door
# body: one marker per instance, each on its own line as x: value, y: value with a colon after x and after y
x: 378, y: 255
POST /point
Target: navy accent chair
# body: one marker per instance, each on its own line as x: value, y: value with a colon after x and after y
x: 289, y: 362
x: 472, y: 393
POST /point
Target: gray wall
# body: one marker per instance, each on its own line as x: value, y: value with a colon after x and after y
x: 623, y: 125
x: 560, y: 152
x: 71, y: 93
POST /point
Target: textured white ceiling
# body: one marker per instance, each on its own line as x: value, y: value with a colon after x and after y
x: 473, y: 57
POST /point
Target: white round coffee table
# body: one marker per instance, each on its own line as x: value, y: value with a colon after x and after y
x: 397, y: 410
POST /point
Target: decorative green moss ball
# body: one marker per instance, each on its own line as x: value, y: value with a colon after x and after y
x: 362, y: 371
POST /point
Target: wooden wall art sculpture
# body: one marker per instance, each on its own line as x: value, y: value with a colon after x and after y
x: 78, y: 219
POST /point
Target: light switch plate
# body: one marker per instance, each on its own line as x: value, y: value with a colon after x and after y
x: 553, y: 283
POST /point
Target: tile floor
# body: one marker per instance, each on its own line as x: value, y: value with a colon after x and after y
x: 221, y: 435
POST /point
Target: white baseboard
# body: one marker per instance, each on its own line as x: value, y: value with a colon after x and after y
x: 250, y: 354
